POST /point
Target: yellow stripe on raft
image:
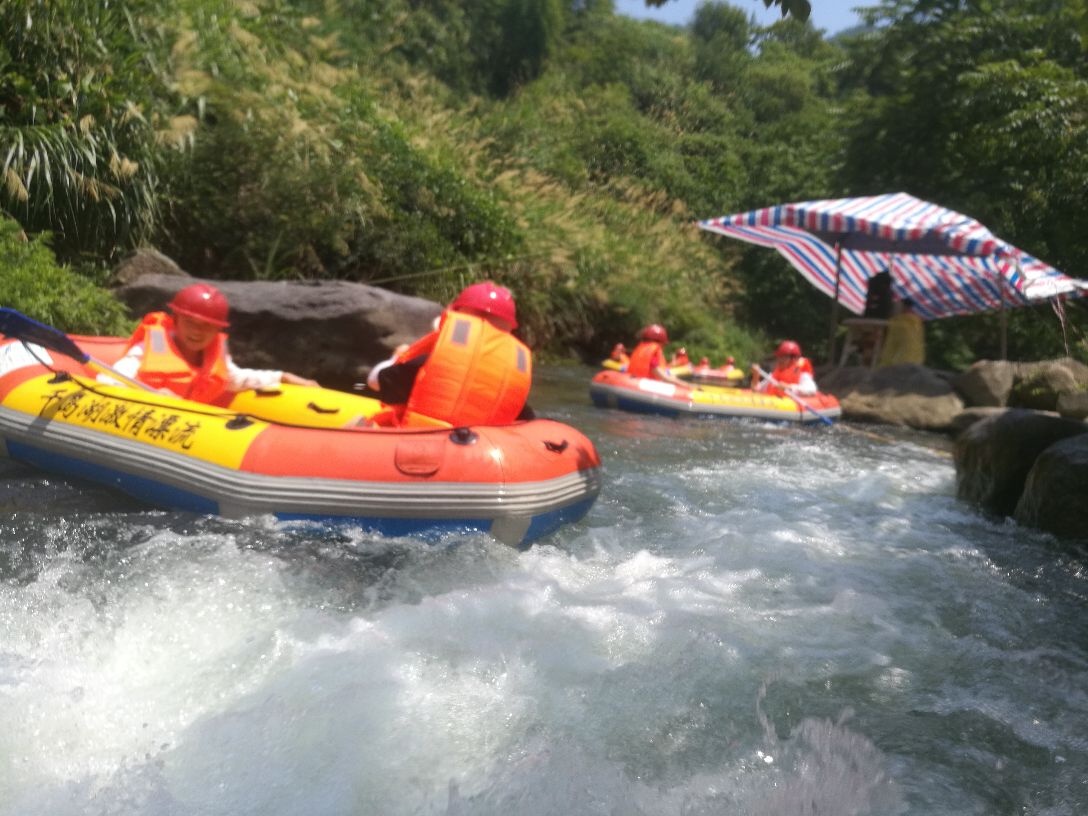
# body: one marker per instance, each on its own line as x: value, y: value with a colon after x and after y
x: 153, y: 419
x: 304, y: 405
x: 740, y: 397
x: 677, y: 371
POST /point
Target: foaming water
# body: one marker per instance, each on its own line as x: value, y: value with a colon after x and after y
x: 751, y: 620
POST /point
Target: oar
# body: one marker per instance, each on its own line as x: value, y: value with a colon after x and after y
x: 786, y: 390
x: 18, y: 325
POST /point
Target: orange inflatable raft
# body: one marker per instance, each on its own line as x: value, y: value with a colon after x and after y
x: 615, y: 389
x: 288, y: 453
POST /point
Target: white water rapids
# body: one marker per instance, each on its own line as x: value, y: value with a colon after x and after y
x: 751, y: 620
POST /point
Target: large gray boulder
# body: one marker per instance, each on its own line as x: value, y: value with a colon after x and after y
x: 331, y: 331
x: 1039, y: 385
x: 910, y: 395
x: 1055, y: 496
x: 986, y: 383
x: 146, y: 261
x: 994, y: 455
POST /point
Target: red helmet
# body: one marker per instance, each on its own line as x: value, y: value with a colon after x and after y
x: 705, y: 361
x: 489, y: 298
x: 730, y: 360
x: 655, y: 333
x: 203, y: 302
x: 619, y: 349
x: 787, y: 348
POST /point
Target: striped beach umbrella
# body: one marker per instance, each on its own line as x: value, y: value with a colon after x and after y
x: 947, y: 263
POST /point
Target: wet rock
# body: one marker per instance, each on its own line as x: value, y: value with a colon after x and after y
x: 1054, y: 491
x: 332, y: 331
x: 994, y: 455
x: 906, y: 394
x: 1073, y: 405
x: 969, y: 416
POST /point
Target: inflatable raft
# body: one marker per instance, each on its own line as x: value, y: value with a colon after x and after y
x: 295, y: 453
x: 614, y: 389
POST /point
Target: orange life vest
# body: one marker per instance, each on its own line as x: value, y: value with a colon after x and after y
x: 645, y: 359
x: 163, y: 366
x: 789, y: 373
x: 476, y: 374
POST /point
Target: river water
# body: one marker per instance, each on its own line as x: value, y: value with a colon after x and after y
x: 751, y: 620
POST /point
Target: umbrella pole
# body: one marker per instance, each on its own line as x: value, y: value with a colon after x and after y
x: 834, y: 306
x: 1004, y: 316
x: 1004, y: 323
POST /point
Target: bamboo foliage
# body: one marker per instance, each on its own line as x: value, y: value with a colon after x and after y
x: 77, y: 151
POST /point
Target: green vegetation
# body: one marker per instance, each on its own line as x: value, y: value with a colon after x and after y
x: 548, y: 144
x: 36, y: 285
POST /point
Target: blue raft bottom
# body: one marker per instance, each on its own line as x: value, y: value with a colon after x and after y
x: 174, y: 498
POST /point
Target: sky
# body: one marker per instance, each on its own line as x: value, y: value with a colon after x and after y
x: 832, y: 16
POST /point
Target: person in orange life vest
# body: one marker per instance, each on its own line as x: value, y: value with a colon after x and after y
x: 730, y: 365
x: 469, y: 370
x: 791, y: 370
x: 619, y: 354
x: 185, y: 352
x: 680, y: 358
x: 703, y: 367
x: 648, y: 358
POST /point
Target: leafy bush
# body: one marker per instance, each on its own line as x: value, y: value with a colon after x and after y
x: 80, y: 156
x: 255, y: 201
x: 554, y: 146
x: 435, y: 215
x: 33, y: 283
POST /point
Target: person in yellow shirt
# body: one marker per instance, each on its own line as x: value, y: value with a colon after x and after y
x: 905, y: 341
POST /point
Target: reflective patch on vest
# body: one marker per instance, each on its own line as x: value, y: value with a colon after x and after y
x: 461, y: 328
x: 158, y: 341
x: 523, y: 360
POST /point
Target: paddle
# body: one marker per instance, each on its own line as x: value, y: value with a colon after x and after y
x: 786, y: 390
x: 18, y: 325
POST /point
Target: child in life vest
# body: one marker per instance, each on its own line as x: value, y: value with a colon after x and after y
x: 184, y: 352
x: 470, y: 370
x: 791, y: 371
x: 648, y: 358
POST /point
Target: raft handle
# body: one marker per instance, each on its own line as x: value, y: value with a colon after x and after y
x: 556, y: 447
x: 462, y: 436
x: 317, y: 409
x: 238, y: 422
x: 59, y: 377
